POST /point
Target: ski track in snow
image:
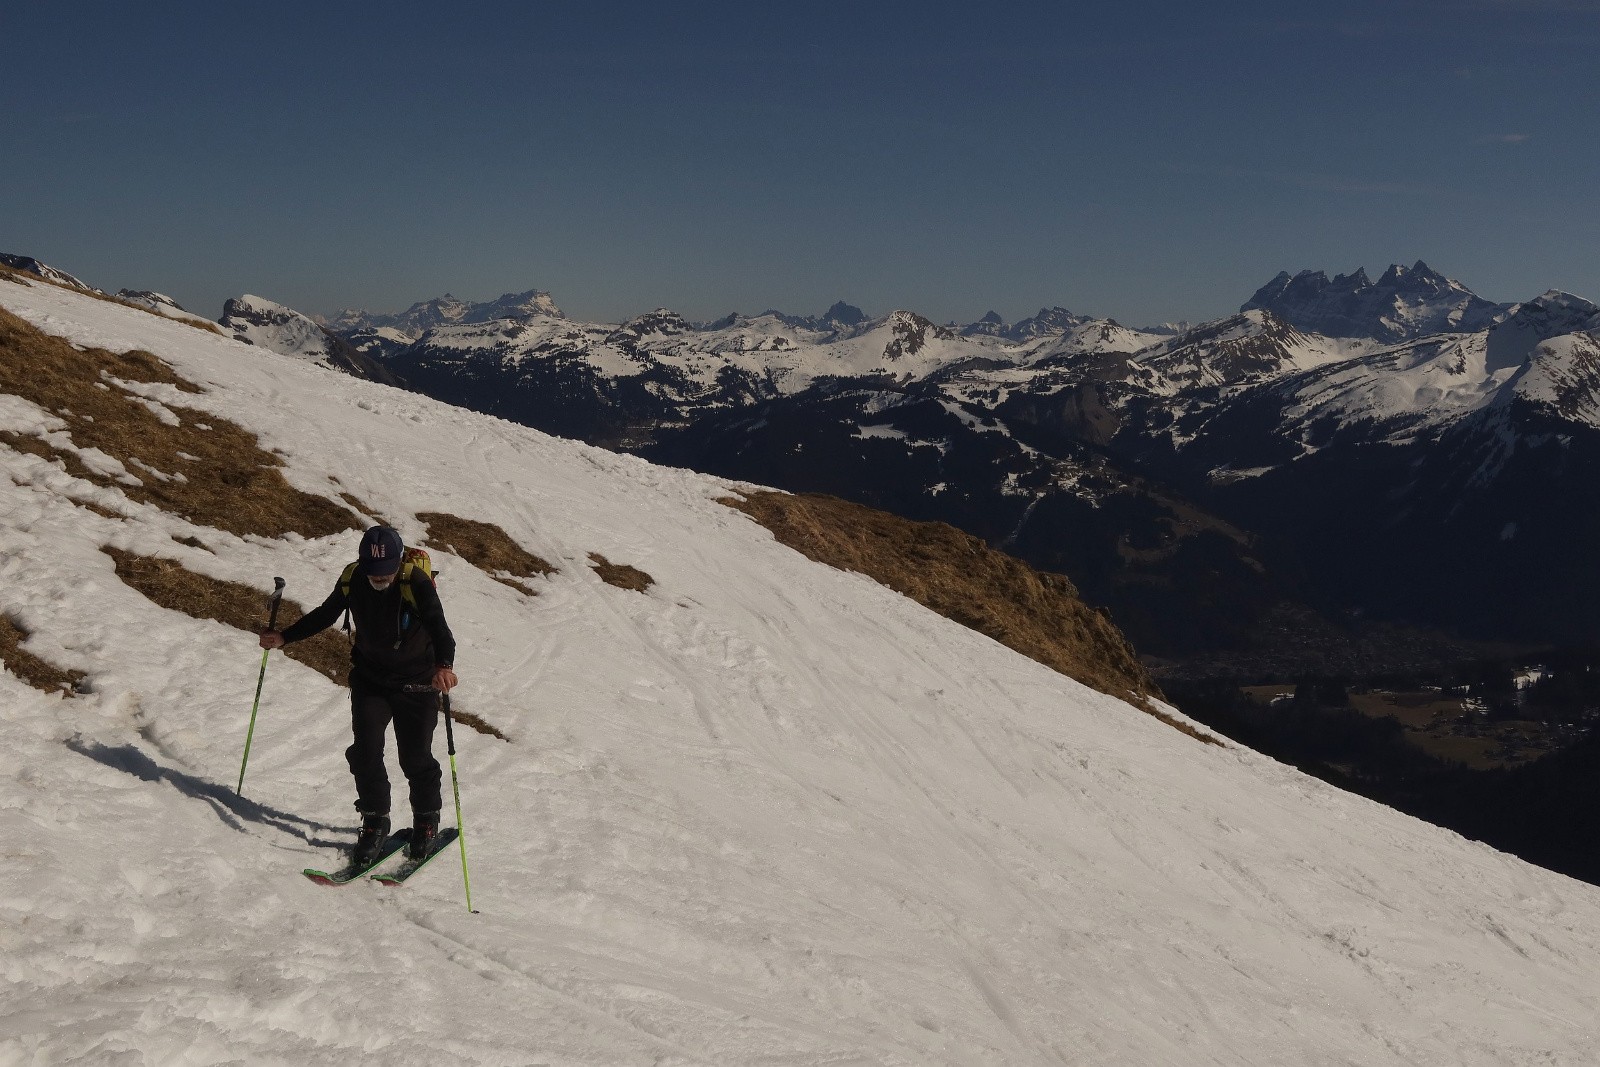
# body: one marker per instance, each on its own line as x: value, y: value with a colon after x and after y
x: 767, y: 813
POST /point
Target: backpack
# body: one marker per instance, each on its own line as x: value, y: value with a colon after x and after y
x: 414, y: 561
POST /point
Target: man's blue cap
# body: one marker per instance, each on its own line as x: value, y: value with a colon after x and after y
x: 381, y: 549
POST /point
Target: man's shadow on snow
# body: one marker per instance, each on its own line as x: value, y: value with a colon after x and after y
x: 231, y: 808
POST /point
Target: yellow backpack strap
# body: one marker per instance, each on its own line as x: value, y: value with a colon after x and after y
x: 407, y: 566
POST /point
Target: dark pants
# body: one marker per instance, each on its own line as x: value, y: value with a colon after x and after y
x: 415, y: 715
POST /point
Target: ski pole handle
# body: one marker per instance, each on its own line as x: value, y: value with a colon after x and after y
x: 449, y: 734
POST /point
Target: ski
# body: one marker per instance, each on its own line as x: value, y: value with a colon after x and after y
x: 446, y: 838
x: 350, y: 871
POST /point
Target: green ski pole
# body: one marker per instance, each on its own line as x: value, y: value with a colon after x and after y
x: 272, y: 624
x: 455, y: 784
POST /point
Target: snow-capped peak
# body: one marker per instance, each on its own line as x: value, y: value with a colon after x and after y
x: 1554, y: 313
x: 259, y: 321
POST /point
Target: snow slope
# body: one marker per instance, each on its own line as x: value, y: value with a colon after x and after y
x: 766, y: 813
x: 162, y: 304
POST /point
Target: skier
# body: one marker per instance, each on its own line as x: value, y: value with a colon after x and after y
x: 402, y: 660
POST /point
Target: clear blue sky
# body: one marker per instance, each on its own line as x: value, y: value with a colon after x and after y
x: 1149, y: 161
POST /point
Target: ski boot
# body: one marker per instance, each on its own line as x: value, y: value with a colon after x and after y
x: 424, y: 828
x: 369, y: 843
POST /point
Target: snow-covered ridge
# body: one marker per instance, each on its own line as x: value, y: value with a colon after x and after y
x: 442, y: 311
x: 769, y: 812
x: 162, y: 304
x: 45, y: 271
x: 1541, y: 352
x: 259, y: 321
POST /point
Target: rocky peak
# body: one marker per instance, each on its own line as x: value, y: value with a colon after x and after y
x: 249, y: 310
x: 533, y: 303
x: 1404, y: 304
x: 910, y: 333
x: 1418, y: 278
x: 844, y: 314
x: 662, y: 322
x: 258, y: 321
x: 1355, y: 280
x: 1049, y: 322
x: 991, y: 325
x: 149, y: 299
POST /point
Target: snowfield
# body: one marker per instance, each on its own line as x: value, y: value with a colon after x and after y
x: 765, y: 813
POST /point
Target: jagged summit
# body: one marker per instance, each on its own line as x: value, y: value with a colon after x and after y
x: 1403, y: 304
x: 844, y: 314
x: 1418, y: 278
x: 1049, y: 321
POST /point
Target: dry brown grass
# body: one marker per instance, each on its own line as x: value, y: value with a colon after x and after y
x: 466, y: 718
x: 620, y: 574
x: 958, y: 576
x: 172, y: 585
x: 362, y: 508
x: 98, y: 509
x: 39, y: 673
x: 487, y: 547
x: 219, y: 476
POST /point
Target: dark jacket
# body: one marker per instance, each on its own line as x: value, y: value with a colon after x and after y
x: 395, y: 644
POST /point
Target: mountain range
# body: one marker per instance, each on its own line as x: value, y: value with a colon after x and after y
x: 1400, y: 450
x: 756, y: 805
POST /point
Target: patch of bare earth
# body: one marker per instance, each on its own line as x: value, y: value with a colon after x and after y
x: 189, y: 463
x: 365, y: 511
x: 37, y: 672
x: 1036, y: 613
x: 487, y: 547
x: 98, y: 509
x: 620, y: 574
x: 467, y: 718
